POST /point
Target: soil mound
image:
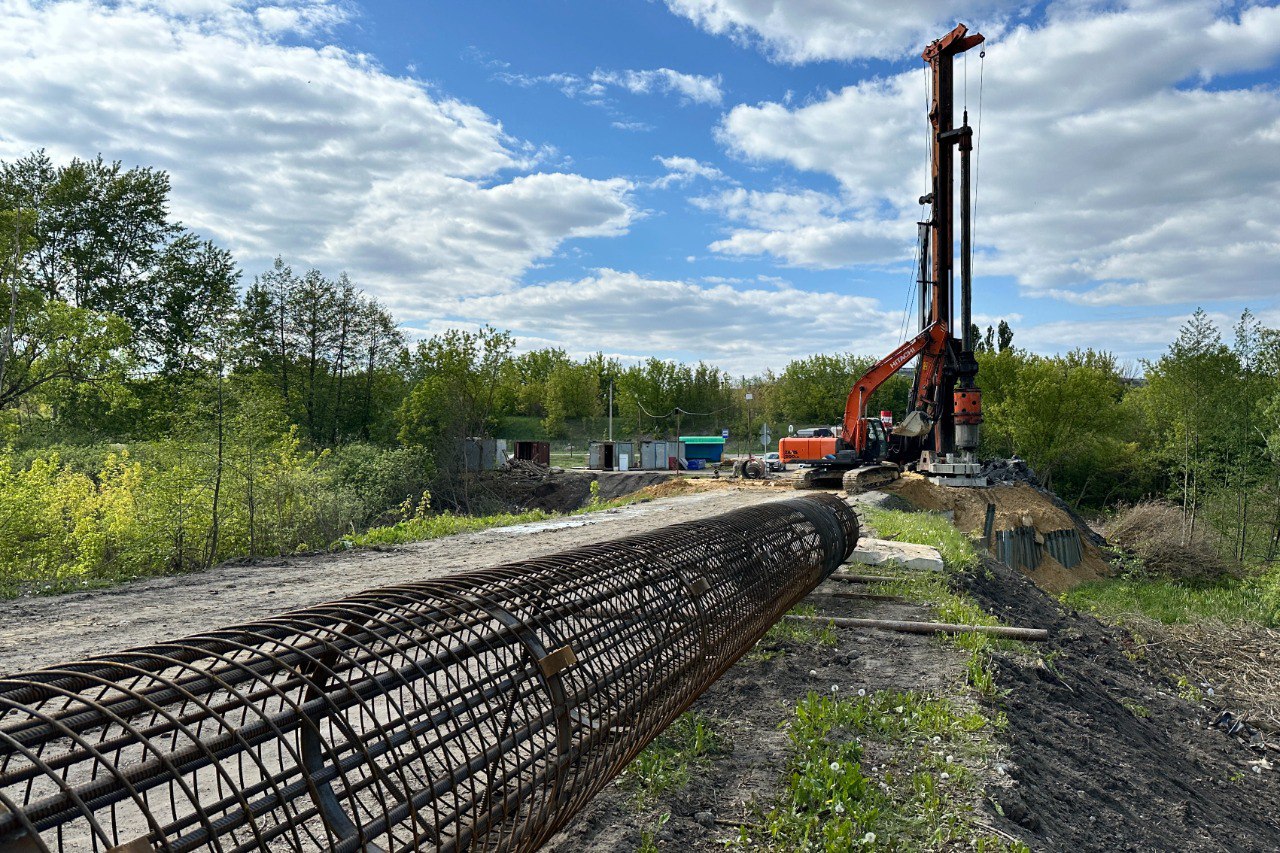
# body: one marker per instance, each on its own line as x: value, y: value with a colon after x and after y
x: 526, y: 485
x: 1018, y: 503
x: 1104, y: 754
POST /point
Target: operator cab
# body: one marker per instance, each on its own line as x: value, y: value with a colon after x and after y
x: 877, y: 439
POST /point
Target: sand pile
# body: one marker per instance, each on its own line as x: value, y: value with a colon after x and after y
x: 1017, y: 505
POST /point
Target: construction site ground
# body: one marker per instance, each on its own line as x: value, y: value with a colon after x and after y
x: 1100, y: 752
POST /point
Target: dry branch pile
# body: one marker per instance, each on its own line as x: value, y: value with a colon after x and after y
x: 1154, y: 532
x: 1240, y: 663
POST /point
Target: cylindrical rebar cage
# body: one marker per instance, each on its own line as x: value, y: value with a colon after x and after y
x: 477, y: 711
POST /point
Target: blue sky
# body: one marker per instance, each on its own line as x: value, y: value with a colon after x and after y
x: 729, y: 180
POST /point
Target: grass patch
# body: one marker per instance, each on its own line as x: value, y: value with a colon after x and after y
x: 920, y: 796
x: 422, y: 527
x: 1254, y: 599
x: 804, y: 633
x: 667, y: 762
x: 919, y: 793
x: 926, y: 528
x: 435, y: 526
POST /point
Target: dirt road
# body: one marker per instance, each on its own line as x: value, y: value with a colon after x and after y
x: 36, y: 632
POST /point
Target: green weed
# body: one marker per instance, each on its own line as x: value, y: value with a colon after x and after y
x: 1189, y: 690
x: 934, y: 589
x: 926, y: 528
x: 665, y: 764
x: 799, y: 632
x: 648, y: 837
x: 832, y: 802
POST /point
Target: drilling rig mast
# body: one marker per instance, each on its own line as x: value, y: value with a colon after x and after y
x: 956, y: 400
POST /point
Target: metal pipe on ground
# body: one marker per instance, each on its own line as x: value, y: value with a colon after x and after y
x: 478, y: 711
x: 910, y: 627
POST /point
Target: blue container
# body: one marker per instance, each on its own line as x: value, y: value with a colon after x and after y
x: 696, y: 464
x: 706, y: 447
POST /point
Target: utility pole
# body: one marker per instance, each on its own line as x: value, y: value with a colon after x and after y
x: 750, y: 397
x: 611, y: 408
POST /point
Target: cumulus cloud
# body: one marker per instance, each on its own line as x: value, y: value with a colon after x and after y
x: 806, y: 228
x: 744, y: 328
x: 595, y: 87
x: 796, y: 32
x: 312, y: 152
x: 1116, y: 166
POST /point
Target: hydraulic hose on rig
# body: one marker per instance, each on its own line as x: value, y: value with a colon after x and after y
x: 478, y: 711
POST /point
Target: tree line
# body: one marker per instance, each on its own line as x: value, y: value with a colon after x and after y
x: 161, y: 412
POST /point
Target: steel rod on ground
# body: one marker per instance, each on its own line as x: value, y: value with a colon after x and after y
x: 478, y: 711
x: 852, y: 578
x: 1035, y: 634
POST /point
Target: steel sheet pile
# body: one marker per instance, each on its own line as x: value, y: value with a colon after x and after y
x: 478, y: 711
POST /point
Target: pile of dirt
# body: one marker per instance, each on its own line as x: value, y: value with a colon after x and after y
x: 523, y: 485
x: 1154, y: 531
x: 1103, y: 752
x: 1018, y: 503
x: 671, y: 488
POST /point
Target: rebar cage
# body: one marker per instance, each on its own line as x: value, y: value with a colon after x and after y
x: 477, y: 711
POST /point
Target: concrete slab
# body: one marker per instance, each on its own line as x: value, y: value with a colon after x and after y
x: 880, y: 500
x: 874, y: 552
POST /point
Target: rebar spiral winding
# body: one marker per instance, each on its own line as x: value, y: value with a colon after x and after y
x: 477, y: 711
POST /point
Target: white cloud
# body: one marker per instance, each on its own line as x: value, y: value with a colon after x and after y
x: 312, y: 152
x: 808, y: 30
x: 631, y: 126
x: 1131, y: 338
x: 805, y: 229
x: 743, y: 330
x: 1109, y: 173
x: 682, y: 171
x: 482, y: 234
x: 594, y: 88
x: 693, y: 88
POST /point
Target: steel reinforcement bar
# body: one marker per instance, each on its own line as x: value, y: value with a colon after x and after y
x: 478, y: 711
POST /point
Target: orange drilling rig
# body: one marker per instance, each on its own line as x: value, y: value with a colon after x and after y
x: 940, y: 432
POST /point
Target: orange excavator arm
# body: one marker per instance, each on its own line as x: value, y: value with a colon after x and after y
x: 932, y: 342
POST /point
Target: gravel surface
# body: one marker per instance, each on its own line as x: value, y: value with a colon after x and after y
x: 43, y: 631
